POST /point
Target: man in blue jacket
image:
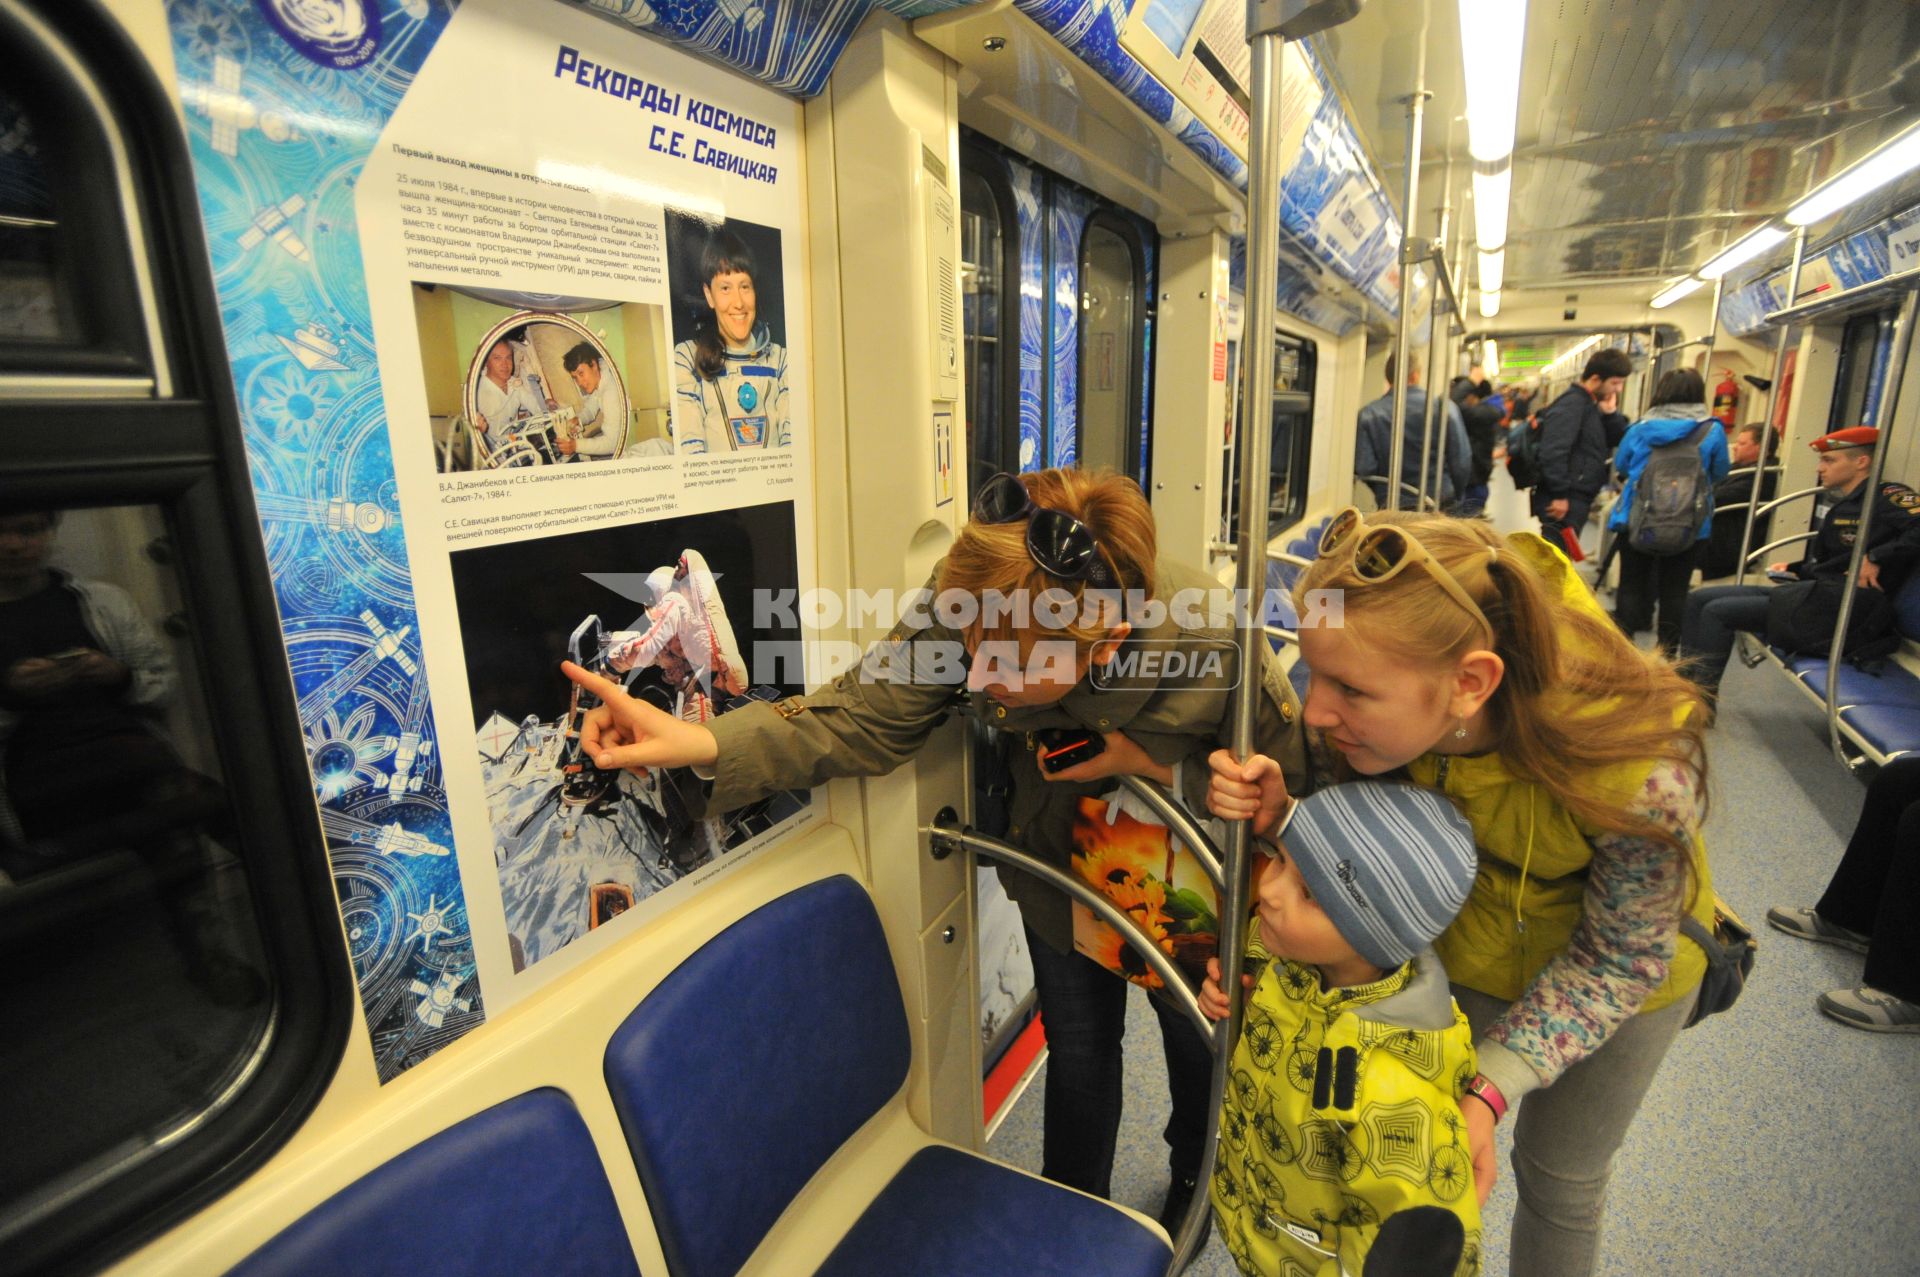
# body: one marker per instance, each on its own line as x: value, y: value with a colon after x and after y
x: 1577, y: 436
x: 1373, y: 447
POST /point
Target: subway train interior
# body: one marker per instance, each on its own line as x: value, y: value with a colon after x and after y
x: 327, y: 945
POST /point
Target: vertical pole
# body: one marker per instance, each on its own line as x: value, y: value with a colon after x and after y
x: 1713, y: 334
x: 1896, y: 373
x: 1403, y: 327
x: 1264, y: 167
x: 1437, y: 315
x: 1773, y: 394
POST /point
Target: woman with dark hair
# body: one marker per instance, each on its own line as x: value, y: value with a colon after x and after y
x: 1678, y: 412
x: 730, y: 377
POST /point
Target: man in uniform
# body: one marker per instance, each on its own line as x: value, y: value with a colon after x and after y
x: 1716, y: 614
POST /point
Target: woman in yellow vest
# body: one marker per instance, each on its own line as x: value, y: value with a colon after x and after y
x: 1480, y: 665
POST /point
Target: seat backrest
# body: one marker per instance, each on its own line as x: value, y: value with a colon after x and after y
x: 517, y: 1188
x: 738, y: 1077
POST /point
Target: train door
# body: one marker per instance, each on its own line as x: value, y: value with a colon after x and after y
x: 1295, y: 365
x: 176, y: 996
x: 1075, y: 345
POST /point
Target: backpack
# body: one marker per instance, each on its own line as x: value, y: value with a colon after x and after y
x: 1671, y: 498
x: 1523, y: 452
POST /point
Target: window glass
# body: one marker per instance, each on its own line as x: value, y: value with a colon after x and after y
x: 31, y: 307
x: 1109, y: 344
x: 981, y: 253
x: 1290, y: 445
x: 136, y: 990
x: 1858, y: 343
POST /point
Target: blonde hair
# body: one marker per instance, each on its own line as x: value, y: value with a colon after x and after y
x: 1626, y: 702
x: 992, y: 557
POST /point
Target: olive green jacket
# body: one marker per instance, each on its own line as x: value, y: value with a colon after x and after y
x: 867, y: 726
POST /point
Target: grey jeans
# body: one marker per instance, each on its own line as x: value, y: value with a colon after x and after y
x: 1565, y: 1136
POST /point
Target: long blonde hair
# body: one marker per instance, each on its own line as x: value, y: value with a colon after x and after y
x: 1576, y: 697
x: 993, y: 556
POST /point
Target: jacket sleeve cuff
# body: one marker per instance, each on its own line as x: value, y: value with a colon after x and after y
x: 1506, y: 1070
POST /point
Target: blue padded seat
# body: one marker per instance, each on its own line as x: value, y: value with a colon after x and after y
x: 747, y: 1068
x: 1891, y: 729
x: 517, y: 1188
x: 1893, y: 685
x: 950, y: 1214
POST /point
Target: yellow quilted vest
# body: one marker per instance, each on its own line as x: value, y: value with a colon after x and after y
x: 1527, y: 891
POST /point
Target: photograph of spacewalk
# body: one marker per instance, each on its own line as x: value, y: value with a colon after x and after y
x: 666, y: 608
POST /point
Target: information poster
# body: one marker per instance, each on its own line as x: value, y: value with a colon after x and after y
x: 516, y: 315
x: 1199, y: 50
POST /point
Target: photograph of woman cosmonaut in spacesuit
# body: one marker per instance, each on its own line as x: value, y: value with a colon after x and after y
x: 730, y: 374
x: 576, y: 847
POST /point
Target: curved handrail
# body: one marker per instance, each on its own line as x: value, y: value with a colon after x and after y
x: 939, y: 836
x: 1285, y: 636
x: 1770, y: 506
x: 1426, y: 502
x: 1179, y: 821
x: 1774, y: 545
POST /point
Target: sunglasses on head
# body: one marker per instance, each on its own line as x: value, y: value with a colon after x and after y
x: 1381, y: 551
x: 1062, y: 545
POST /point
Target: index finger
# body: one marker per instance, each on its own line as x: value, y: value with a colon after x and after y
x: 605, y: 688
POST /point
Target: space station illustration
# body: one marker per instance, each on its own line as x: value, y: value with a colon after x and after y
x: 576, y: 846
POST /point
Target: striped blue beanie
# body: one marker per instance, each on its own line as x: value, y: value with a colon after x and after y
x: 1389, y: 862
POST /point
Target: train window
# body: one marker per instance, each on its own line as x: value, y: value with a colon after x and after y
x: 988, y: 227
x: 1853, y: 375
x: 139, y: 993
x: 1112, y: 345
x: 62, y: 309
x: 177, y: 993
x: 1289, y: 449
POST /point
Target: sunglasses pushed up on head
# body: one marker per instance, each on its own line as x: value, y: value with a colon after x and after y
x: 1381, y: 551
x: 1060, y: 544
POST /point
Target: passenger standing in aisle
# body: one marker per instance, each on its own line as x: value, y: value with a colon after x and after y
x: 1577, y: 434
x: 1090, y: 536
x: 1678, y: 411
x: 1373, y: 446
x: 1481, y: 414
x: 1482, y: 667
x: 1872, y: 906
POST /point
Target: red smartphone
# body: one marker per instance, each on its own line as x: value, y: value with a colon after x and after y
x: 1063, y: 747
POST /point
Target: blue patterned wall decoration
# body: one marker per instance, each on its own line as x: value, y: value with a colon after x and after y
x: 1027, y: 202
x: 1067, y: 220
x: 1889, y: 245
x: 276, y: 192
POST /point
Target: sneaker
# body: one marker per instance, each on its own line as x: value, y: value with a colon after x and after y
x: 1808, y: 925
x: 1869, y: 1009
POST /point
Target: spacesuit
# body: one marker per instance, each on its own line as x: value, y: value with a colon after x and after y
x: 686, y: 622
x: 501, y: 408
x: 745, y: 407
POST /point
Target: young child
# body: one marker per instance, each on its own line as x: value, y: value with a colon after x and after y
x: 1344, y: 1102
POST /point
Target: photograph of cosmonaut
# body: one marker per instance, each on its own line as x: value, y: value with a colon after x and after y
x: 729, y: 354
x: 526, y: 379
x: 659, y: 607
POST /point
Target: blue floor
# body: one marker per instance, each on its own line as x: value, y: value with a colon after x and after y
x: 1774, y: 1139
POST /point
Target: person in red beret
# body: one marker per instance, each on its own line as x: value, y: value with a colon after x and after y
x: 1718, y: 613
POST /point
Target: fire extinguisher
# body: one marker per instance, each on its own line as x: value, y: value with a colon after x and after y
x: 1726, y: 400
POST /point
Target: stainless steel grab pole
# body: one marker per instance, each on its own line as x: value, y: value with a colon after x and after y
x: 1773, y: 397
x: 1403, y: 330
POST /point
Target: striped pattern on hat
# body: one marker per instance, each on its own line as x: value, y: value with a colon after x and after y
x: 1389, y: 862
